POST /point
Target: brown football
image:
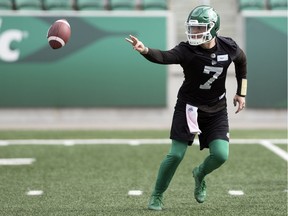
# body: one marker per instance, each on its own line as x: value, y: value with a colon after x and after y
x: 59, y: 33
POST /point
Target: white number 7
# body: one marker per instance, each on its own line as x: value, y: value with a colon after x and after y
x: 208, y: 70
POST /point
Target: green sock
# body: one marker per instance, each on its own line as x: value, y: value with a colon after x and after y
x: 219, y: 151
x: 169, y: 166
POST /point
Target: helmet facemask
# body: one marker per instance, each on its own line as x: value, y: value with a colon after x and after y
x: 198, y: 33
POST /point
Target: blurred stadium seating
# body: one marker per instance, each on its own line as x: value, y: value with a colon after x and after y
x: 91, y: 4
x: 84, y: 5
x: 6, y: 5
x: 252, y: 5
x: 28, y: 4
x: 154, y: 4
x: 262, y: 5
x: 277, y: 4
x: 124, y: 4
x: 58, y: 4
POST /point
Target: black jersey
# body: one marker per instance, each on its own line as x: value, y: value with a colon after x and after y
x: 205, y: 70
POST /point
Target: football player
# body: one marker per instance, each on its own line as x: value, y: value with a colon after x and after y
x: 201, y: 107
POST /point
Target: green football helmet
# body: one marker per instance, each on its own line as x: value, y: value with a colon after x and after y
x: 202, y: 25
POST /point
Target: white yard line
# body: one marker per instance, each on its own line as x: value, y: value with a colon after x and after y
x: 135, y: 192
x: 16, y: 161
x: 121, y: 141
x: 278, y: 151
x: 268, y: 143
x: 34, y: 192
x: 84, y: 141
x: 236, y: 192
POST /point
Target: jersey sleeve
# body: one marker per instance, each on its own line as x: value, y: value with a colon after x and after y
x: 172, y: 56
x: 240, y: 63
x: 239, y: 58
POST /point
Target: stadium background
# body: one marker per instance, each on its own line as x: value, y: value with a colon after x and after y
x: 154, y: 109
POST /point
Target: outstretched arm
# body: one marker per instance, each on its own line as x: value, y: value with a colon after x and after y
x: 154, y: 55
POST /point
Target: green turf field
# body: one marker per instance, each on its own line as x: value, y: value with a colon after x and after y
x: 95, y: 179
